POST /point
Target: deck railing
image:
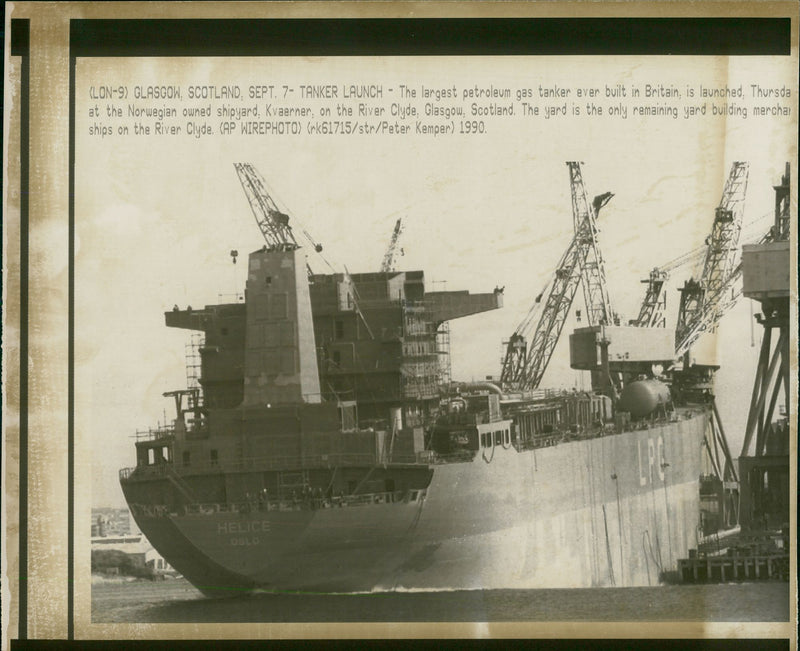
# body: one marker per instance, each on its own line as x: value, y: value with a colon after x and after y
x: 154, y: 433
x: 269, y: 463
x: 302, y: 503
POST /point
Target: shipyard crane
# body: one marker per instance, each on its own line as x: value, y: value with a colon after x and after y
x: 651, y: 312
x: 391, y: 251
x: 728, y: 295
x: 771, y: 289
x: 758, y: 269
x: 273, y: 223
x: 584, y: 215
x: 764, y: 460
x: 708, y: 318
x: 703, y: 301
x: 524, y: 367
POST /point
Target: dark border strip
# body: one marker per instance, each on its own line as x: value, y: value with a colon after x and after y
x: 20, y: 46
x: 71, y: 364
x: 733, y: 644
x: 431, y: 37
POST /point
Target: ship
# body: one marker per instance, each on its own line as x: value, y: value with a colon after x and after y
x: 325, y: 448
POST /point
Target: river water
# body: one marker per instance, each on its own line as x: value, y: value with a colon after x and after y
x: 177, y: 601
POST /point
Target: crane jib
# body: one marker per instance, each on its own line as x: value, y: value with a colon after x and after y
x: 523, y: 366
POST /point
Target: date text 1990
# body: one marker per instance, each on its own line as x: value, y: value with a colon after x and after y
x: 472, y: 126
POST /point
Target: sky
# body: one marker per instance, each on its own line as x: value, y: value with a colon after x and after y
x: 156, y: 218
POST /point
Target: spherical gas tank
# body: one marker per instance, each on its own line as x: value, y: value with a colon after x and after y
x: 641, y: 397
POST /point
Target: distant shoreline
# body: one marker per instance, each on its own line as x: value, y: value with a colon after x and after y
x: 116, y: 579
x: 111, y: 578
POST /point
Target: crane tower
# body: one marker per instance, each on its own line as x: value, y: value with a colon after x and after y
x: 764, y: 459
x: 391, y: 251
x: 273, y: 223
x: 523, y: 366
x: 703, y: 300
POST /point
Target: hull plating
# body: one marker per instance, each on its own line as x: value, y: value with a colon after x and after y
x: 616, y: 510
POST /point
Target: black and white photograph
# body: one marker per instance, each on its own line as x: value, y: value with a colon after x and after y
x: 383, y: 333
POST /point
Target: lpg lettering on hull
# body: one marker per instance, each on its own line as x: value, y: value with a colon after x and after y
x: 651, y: 458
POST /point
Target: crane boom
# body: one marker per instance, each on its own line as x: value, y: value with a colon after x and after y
x: 704, y: 301
x: 595, y: 289
x: 391, y: 251
x: 727, y: 296
x: 553, y: 315
x: 273, y: 223
x: 651, y: 312
x: 523, y: 367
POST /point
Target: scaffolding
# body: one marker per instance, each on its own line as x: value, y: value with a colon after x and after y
x: 420, y: 366
x: 443, y: 353
x: 194, y: 365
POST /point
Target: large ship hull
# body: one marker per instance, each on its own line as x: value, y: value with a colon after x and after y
x: 616, y: 510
